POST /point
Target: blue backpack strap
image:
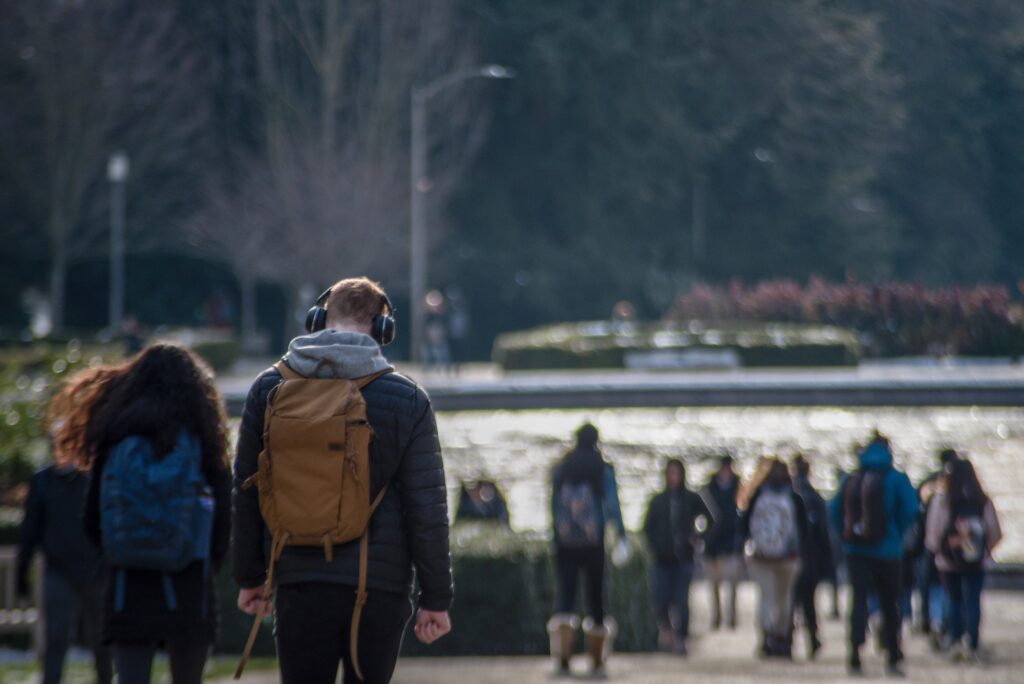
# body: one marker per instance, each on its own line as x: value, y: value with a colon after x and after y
x: 206, y: 583
x: 169, y: 597
x: 119, y: 590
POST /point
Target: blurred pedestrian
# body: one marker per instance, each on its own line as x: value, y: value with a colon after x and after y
x: 74, y: 574
x: 932, y: 595
x: 816, y: 557
x: 723, y: 547
x: 873, y: 509
x: 159, y: 507
x: 774, y: 527
x: 482, y: 500
x: 962, y: 531
x: 584, y: 500
x: 673, y: 524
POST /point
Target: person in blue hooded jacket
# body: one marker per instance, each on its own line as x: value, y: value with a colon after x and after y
x: 876, y: 567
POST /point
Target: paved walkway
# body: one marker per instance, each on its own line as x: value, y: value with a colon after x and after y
x: 728, y: 657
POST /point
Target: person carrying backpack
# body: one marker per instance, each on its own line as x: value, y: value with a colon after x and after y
x: 872, y: 510
x: 773, y: 525
x: 339, y: 495
x: 723, y: 548
x: 74, y: 574
x: 671, y: 528
x: 962, y: 529
x: 584, y: 499
x: 158, y: 507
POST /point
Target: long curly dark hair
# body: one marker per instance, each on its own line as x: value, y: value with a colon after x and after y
x: 156, y: 394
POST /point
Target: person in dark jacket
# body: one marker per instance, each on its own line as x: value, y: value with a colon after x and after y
x: 584, y: 501
x: 876, y: 567
x: 723, y: 548
x: 74, y: 572
x: 159, y: 395
x: 314, y: 598
x: 675, y: 518
x: 774, y: 528
x: 816, y: 559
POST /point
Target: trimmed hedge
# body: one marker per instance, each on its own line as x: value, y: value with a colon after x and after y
x: 603, y: 344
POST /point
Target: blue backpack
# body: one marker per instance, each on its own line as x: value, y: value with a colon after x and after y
x: 155, y: 513
x: 578, y: 516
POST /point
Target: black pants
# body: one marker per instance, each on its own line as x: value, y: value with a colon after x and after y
x: 806, y: 587
x: 187, y: 658
x: 64, y: 604
x: 883, y: 577
x: 569, y: 563
x: 312, y: 623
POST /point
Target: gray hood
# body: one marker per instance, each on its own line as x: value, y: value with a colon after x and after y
x: 331, y: 354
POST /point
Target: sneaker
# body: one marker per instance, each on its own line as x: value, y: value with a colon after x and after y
x: 958, y: 653
x: 680, y: 647
x: 854, y: 667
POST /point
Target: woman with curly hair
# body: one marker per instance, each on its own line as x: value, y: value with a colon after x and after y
x: 152, y: 433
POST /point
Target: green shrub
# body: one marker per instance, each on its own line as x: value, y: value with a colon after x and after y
x: 504, y: 594
x: 220, y: 354
x: 602, y: 345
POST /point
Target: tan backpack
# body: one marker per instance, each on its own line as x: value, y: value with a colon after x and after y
x: 314, y: 476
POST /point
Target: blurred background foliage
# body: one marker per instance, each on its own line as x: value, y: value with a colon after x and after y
x: 641, y: 149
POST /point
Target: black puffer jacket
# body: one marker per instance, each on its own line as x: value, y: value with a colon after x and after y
x: 409, y: 529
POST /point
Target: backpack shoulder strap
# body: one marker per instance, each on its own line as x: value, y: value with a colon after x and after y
x: 367, y: 379
x: 357, y: 611
x: 286, y: 371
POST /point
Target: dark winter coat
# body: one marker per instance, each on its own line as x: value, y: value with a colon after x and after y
x: 53, y: 523
x: 410, y: 527
x: 146, y: 615
x: 724, y: 538
x: 671, y: 541
x: 817, y: 551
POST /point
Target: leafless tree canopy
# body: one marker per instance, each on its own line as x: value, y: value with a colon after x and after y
x: 327, y: 193
x: 96, y: 76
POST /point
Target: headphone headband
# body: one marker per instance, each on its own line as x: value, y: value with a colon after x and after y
x: 382, y: 326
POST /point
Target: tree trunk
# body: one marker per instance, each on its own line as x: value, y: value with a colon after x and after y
x: 699, y: 224
x: 58, y: 277
x: 247, y: 287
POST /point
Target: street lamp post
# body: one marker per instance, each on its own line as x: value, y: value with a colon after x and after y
x: 419, y: 185
x: 117, y: 173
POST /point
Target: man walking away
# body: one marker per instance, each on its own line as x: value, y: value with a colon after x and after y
x: 671, y: 528
x: 873, y: 509
x: 347, y: 441
x: 816, y: 559
x: 74, y: 577
x: 723, y: 548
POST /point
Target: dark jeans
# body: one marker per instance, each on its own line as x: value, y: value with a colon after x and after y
x: 670, y: 595
x: 569, y: 563
x: 312, y: 626
x: 803, y: 598
x: 964, y: 589
x: 882, y: 576
x: 135, y: 660
x: 64, y: 604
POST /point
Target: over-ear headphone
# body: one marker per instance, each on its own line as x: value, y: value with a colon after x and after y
x: 382, y: 329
